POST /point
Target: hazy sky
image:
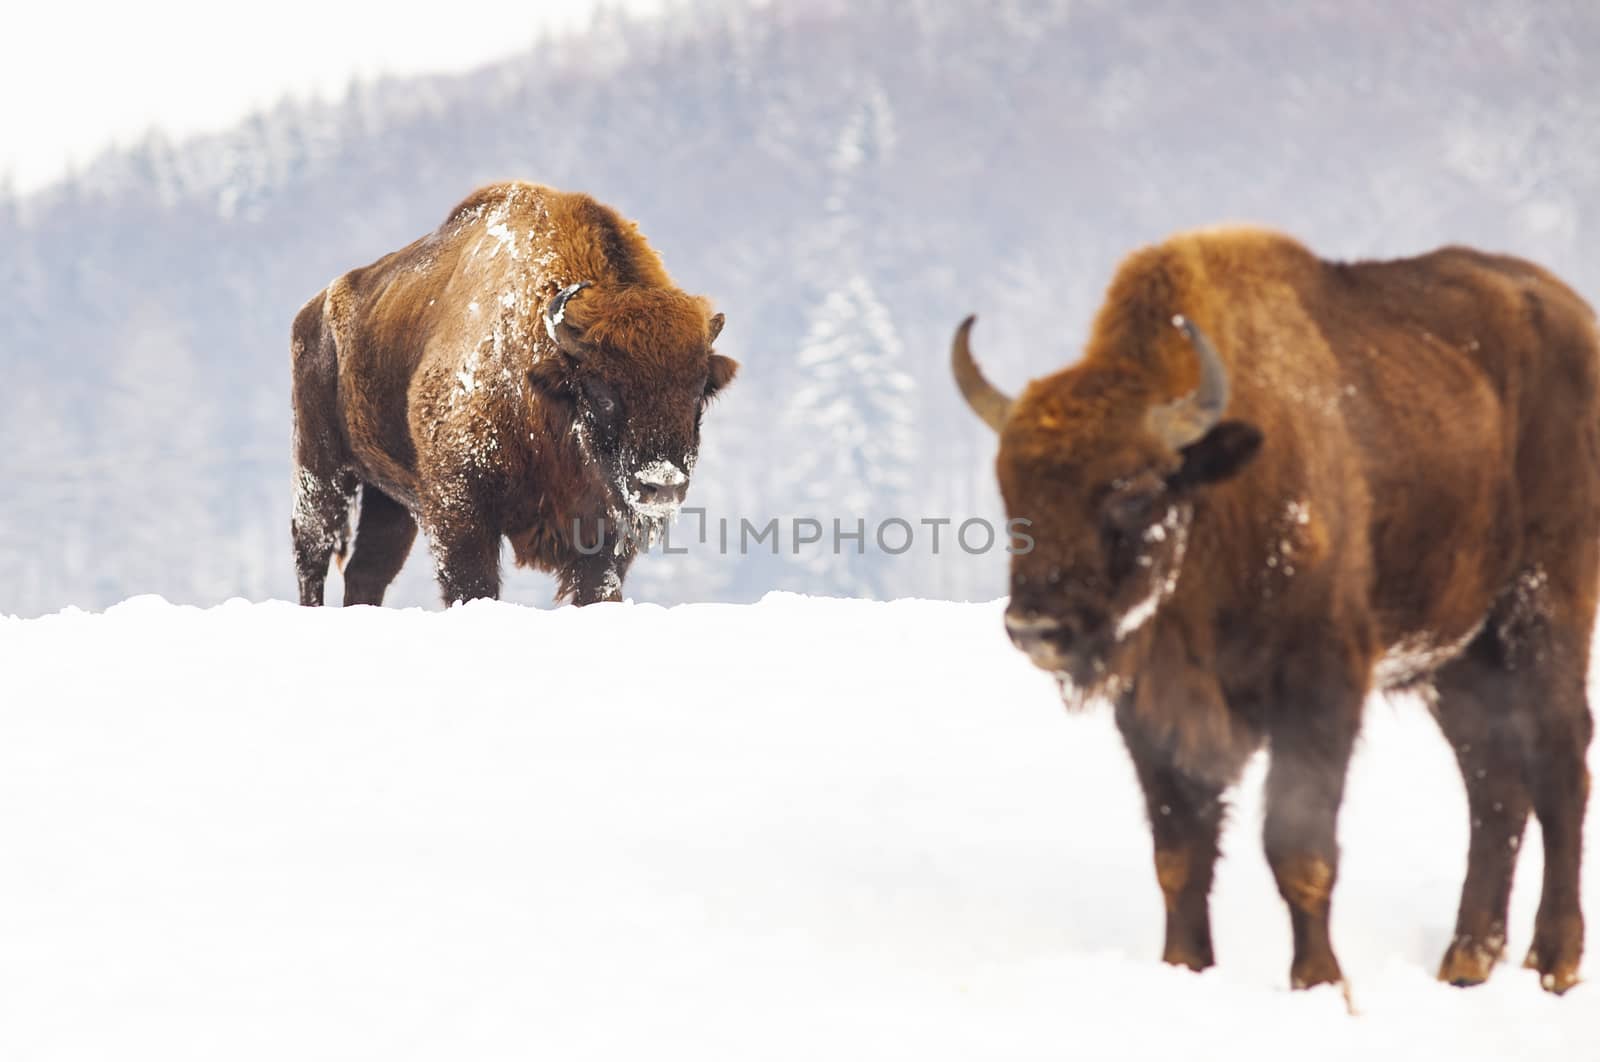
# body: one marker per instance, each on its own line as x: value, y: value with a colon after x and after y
x: 75, y: 77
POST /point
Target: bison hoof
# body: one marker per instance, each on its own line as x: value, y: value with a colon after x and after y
x: 1314, y: 973
x: 1188, y: 958
x: 1469, y: 961
x: 1555, y: 975
x: 1557, y: 949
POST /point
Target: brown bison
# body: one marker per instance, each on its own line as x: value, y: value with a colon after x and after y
x: 1328, y: 478
x: 527, y: 370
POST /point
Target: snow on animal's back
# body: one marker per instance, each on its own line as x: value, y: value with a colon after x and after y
x: 567, y: 235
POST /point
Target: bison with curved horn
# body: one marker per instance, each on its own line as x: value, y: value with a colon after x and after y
x: 1275, y: 483
x: 527, y: 371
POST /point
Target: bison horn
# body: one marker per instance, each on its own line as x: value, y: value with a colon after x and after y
x: 986, y: 400
x: 1185, y: 420
x: 555, y: 315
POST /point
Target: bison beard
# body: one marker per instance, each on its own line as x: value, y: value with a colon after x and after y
x: 527, y: 371
x: 1379, y: 473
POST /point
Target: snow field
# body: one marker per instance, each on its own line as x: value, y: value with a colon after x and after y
x: 806, y: 828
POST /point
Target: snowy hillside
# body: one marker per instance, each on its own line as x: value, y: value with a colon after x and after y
x: 802, y: 829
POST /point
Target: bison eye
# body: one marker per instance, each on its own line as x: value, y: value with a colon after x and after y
x: 1134, y: 508
x: 601, y: 400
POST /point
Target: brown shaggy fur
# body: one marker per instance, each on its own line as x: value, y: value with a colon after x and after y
x: 429, y: 383
x: 1422, y: 511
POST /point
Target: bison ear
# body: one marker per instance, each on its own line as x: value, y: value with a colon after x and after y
x: 721, y: 374
x: 715, y: 328
x: 1219, y: 454
x: 550, y: 377
x: 568, y: 339
x: 556, y: 325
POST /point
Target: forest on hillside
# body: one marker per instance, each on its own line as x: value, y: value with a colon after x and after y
x: 845, y: 179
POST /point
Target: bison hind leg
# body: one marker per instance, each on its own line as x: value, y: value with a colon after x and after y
x: 319, y: 526
x: 1475, y: 703
x: 1515, y: 708
x: 1558, y: 784
x: 384, y: 534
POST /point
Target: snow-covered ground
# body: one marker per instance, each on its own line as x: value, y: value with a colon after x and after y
x: 804, y: 829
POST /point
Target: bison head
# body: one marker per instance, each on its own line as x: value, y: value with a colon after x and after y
x: 1106, y: 474
x: 634, y: 369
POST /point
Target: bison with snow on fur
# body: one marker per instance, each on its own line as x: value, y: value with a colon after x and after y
x: 527, y: 371
x: 1275, y: 483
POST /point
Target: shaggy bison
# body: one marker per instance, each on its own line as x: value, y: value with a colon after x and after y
x: 527, y: 370
x: 1274, y: 483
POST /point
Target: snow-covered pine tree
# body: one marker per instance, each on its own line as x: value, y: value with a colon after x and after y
x: 852, y: 414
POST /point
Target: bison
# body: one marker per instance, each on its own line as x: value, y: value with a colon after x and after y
x: 1274, y: 483
x: 528, y: 370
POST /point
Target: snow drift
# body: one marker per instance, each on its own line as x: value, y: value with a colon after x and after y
x: 803, y: 829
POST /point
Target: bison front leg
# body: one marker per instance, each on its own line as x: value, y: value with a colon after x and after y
x: 466, y: 558
x: 1312, y: 730
x: 1183, y: 787
x: 1185, y: 815
x: 597, y: 576
x: 597, y: 585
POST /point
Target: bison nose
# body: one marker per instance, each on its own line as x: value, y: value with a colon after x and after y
x: 1038, y: 635
x: 658, y: 493
x: 1024, y: 626
x: 659, y: 484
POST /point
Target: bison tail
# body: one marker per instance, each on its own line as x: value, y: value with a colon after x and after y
x: 341, y: 548
x: 345, y: 535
